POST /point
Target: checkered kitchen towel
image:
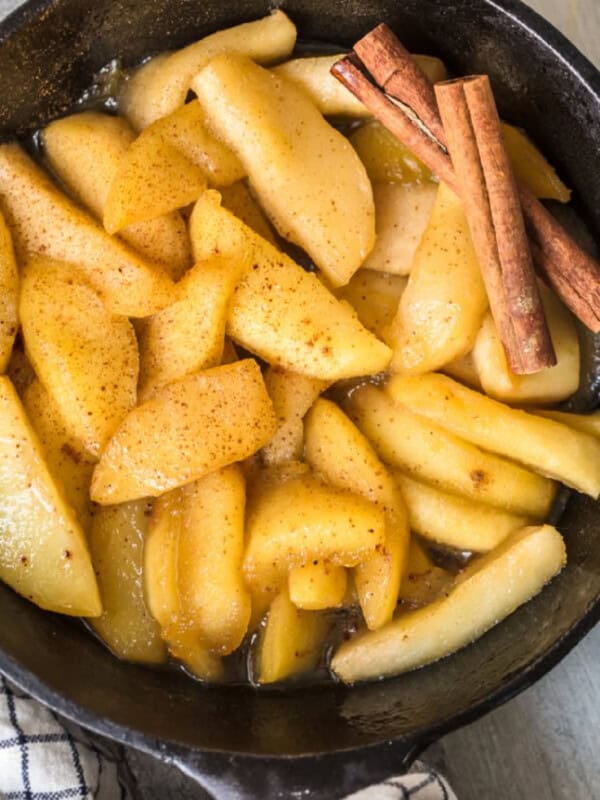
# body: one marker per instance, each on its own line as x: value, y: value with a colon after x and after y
x: 43, y: 757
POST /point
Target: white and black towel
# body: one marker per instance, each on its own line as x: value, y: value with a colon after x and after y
x: 43, y: 757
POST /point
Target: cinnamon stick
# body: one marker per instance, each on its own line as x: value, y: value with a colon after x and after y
x: 573, y: 273
x: 491, y: 198
x: 349, y: 71
x: 399, y: 75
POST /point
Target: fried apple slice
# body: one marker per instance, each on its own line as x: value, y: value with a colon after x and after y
x: 441, y: 310
x: 69, y: 463
x: 375, y: 297
x: 385, y: 158
x: 283, y: 143
x: 238, y: 199
x: 544, y: 445
x: 317, y: 586
x: 117, y: 543
x: 292, y: 395
x: 189, y: 335
x: 487, y: 592
x: 300, y: 520
x: 160, y: 87
x: 431, y: 454
x: 291, y: 642
x: 453, y: 521
x: 153, y: 178
x: 281, y: 312
x: 161, y: 547
x: 586, y: 423
x: 44, y: 222
x: 186, y: 130
x: 85, y: 150
x: 550, y: 385
x: 336, y: 449
x: 85, y: 356
x: 209, y: 560
x: 402, y: 214
x: 43, y: 551
x: 531, y: 167
x: 9, y: 295
x: 190, y: 427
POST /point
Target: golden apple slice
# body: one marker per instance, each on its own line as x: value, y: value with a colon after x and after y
x: 586, y: 423
x: 317, y: 586
x: 69, y: 463
x: 544, y: 445
x: 190, y: 427
x: 160, y: 87
x: 161, y: 547
x: 292, y: 395
x: 441, y: 310
x: 209, y: 562
x: 43, y: 551
x: 431, y: 454
x: 453, y: 521
x: 281, y: 312
x: 291, y: 642
x: 9, y: 295
x: 402, y: 214
x: 186, y: 130
x: 86, y: 357
x: 238, y: 199
x: 117, y: 544
x: 300, y: 520
x: 85, y: 150
x: 385, y: 158
x: 306, y: 175
x: 375, y: 297
x: 44, y: 222
x: 153, y: 178
x: 550, y: 385
x: 488, y: 591
x: 337, y: 450
x: 531, y: 167
x: 189, y: 335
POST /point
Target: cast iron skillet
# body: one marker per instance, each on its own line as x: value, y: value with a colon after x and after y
x: 236, y: 741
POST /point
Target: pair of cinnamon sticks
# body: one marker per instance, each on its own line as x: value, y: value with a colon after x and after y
x: 455, y: 130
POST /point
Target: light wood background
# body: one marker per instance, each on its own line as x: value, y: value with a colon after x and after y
x: 544, y: 744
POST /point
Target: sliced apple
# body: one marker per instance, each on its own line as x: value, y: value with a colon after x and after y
x: 160, y: 86
x: 43, y: 221
x: 9, y: 295
x: 190, y: 427
x: 281, y: 312
x: 117, y: 544
x: 85, y: 150
x: 85, y: 356
x: 488, y: 591
x: 43, y: 551
x: 306, y: 175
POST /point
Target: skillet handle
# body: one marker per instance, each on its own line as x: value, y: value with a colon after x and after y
x: 321, y: 777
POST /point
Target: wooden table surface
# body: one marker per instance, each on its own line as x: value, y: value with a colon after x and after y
x: 544, y: 744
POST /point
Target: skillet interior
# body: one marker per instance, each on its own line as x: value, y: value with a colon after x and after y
x: 50, y: 53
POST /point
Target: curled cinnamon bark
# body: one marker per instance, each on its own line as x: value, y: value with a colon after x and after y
x: 573, y: 273
x: 491, y: 199
x: 399, y: 75
x: 349, y: 71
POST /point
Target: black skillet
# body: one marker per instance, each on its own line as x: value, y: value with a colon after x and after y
x: 236, y: 741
